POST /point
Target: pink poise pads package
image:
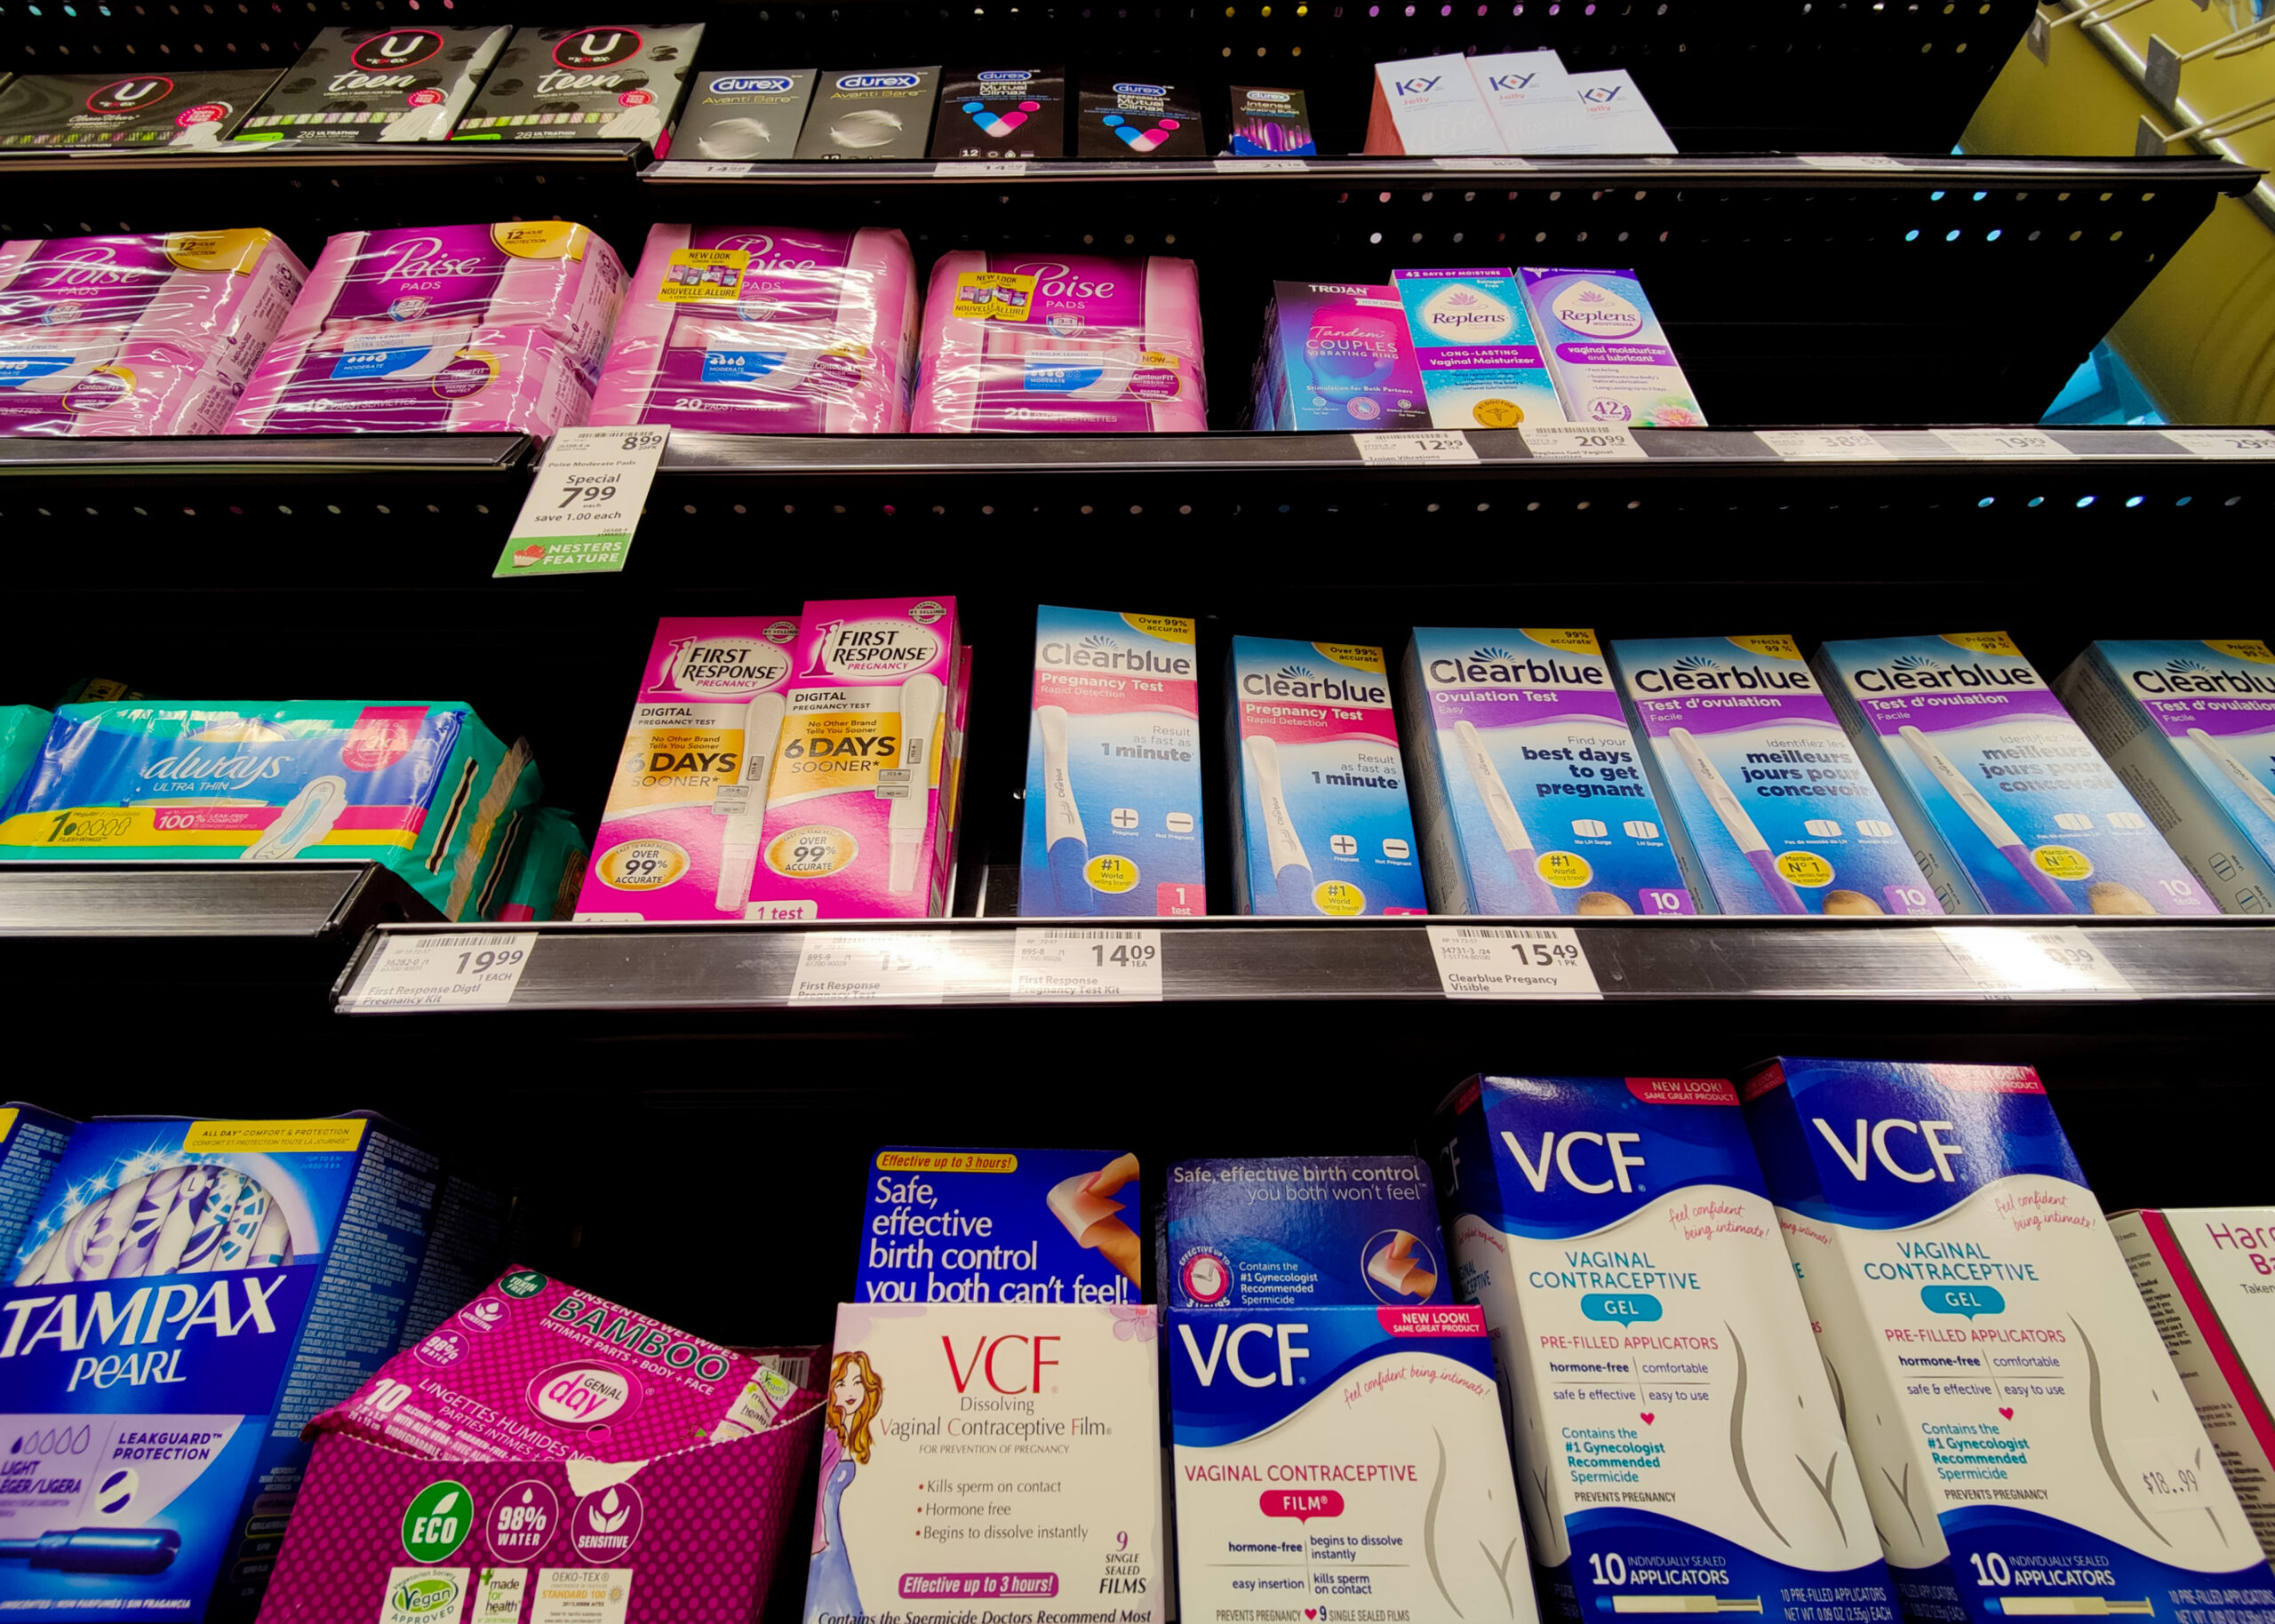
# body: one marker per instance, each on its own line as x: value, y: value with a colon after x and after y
x: 750, y: 331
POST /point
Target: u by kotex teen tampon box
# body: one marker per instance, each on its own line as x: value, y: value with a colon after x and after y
x: 2008, y: 807
x: 2189, y: 728
x: 1112, y: 804
x: 1300, y: 1231
x: 680, y: 837
x: 1481, y: 368
x: 31, y: 1143
x: 1001, y: 1226
x: 617, y: 82
x: 1773, y: 812
x: 2027, y: 1448
x: 181, y: 108
x: 1320, y: 825
x: 188, y: 1296
x: 1528, y: 782
x: 357, y: 85
x: 1680, y: 1446
x: 1606, y: 349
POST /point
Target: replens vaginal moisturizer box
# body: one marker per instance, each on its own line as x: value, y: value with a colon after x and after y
x: 1776, y: 814
x: 2190, y: 728
x: 1289, y: 1231
x: 1113, y: 767
x: 1609, y: 356
x: 1480, y: 367
x: 2008, y: 807
x: 1529, y: 784
x: 2027, y: 1448
x: 1680, y: 1450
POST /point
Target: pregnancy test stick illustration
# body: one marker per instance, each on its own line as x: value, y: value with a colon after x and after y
x: 1506, y: 824
x: 1719, y: 797
x: 1994, y: 827
x: 739, y: 848
x: 1291, y: 870
x: 1067, y: 848
x: 306, y: 818
x: 2237, y: 772
x: 920, y: 710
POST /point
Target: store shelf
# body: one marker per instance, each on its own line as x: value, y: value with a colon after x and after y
x: 284, y: 459
x: 240, y: 159
x: 301, y: 902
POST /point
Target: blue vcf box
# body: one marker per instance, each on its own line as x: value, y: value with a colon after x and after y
x: 161, y: 1347
x: 1287, y: 1231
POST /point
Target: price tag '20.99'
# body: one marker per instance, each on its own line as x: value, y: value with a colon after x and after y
x: 585, y: 502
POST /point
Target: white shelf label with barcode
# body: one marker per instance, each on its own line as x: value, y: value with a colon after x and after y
x: 474, y: 970
x: 1087, y: 966
x: 2009, y: 961
x: 1505, y: 961
x: 2222, y: 442
x: 1851, y: 160
x: 687, y: 169
x: 2003, y: 443
x: 1442, y: 445
x: 1824, y: 444
x: 1586, y: 442
x: 871, y: 966
x: 1481, y: 163
x: 967, y: 170
x: 1260, y: 166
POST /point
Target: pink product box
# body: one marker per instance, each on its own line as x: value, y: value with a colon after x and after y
x: 747, y: 329
x: 1063, y: 344
x: 486, y: 380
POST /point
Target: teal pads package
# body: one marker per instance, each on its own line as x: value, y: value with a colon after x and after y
x: 1774, y: 813
x: 31, y: 1143
x: 23, y: 730
x: 1266, y: 1232
x: 1529, y: 784
x: 419, y: 785
x: 2008, y: 805
x: 1001, y: 1226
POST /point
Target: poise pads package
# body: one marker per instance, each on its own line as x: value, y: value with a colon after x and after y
x: 619, y: 83
x: 1299, y: 1231
x: 354, y: 85
x: 1001, y: 1226
x: 2026, y: 1445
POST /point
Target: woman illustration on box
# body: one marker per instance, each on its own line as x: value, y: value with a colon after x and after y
x: 855, y: 1392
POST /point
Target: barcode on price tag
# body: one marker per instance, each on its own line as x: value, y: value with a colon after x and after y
x: 585, y: 502
x: 2060, y: 961
x: 474, y: 970
x: 1851, y: 160
x: 1586, y: 442
x: 1828, y: 444
x: 968, y: 170
x: 1260, y: 166
x: 883, y: 966
x: 2222, y: 442
x: 1483, y: 162
x: 1087, y: 966
x: 1512, y: 961
x: 1444, y: 445
x: 2002, y: 443
x: 687, y: 169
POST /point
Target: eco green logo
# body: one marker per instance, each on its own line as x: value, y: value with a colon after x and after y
x: 523, y: 1283
x: 437, y: 1521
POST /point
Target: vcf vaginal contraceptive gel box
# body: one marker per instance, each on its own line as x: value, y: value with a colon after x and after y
x: 1320, y: 824
x: 1529, y: 784
x: 2026, y: 1445
x: 1680, y: 1450
x: 1112, y: 804
x: 1481, y: 365
x: 1299, y: 1231
x: 1774, y: 813
x: 1001, y: 1226
x: 2189, y: 728
x: 2008, y: 807
x: 187, y: 1297
x: 1607, y: 350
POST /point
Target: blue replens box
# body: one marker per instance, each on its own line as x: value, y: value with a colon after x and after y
x: 1291, y: 1232
x: 1001, y: 1226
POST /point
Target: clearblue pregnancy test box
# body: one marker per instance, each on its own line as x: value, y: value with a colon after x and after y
x: 1527, y: 779
x: 1481, y: 366
x: 1609, y: 356
x: 1321, y: 827
x: 1001, y: 1226
x: 2026, y: 1445
x: 1679, y: 1448
x: 2189, y: 728
x: 2008, y: 805
x: 1297, y: 1231
x: 31, y: 1143
x: 1112, y: 804
x: 1774, y: 813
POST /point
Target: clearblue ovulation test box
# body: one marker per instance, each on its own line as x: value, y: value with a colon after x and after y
x: 1001, y: 1226
x: 1680, y: 1448
x: 1299, y: 1231
x: 2026, y: 1445
x: 1606, y: 349
x: 1773, y: 812
x: 1321, y: 826
x: 1112, y: 804
x: 31, y: 1143
x: 2189, y: 728
x: 1481, y: 368
x: 1529, y: 783
x: 2008, y: 805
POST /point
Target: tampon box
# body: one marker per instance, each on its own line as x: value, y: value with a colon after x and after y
x: 1271, y: 1232
x: 616, y: 82
x: 352, y: 86
x: 31, y: 1143
x: 1001, y: 1226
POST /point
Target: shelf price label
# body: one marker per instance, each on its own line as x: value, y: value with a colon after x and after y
x: 2004, y: 443
x: 1261, y: 166
x: 585, y: 502
x: 1582, y: 442
x: 1851, y: 160
x: 871, y: 966
x: 688, y: 169
x: 1090, y: 967
x: 969, y: 168
x: 1824, y: 444
x: 473, y: 970
x: 2222, y: 442
x: 1392, y: 450
x: 1512, y: 961
x: 2008, y: 961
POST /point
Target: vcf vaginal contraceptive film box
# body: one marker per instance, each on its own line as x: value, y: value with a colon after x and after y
x: 960, y: 1225
x: 1292, y: 1231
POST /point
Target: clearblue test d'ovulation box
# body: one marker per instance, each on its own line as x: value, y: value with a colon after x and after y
x: 2008, y: 805
x: 1528, y: 780
x: 2027, y: 1446
x: 1680, y: 1449
x: 1289, y: 1231
x: 1113, y: 803
x: 1774, y: 813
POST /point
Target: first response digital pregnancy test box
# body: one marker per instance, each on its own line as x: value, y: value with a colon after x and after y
x: 1529, y: 784
x: 188, y: 1296
x: 1773, y: 812
x: 1681, y: 1450
x: 1001, y: 1226
x: 2008, y: 805
x: 1320, y: 821
x: 1606, y: 349
x: 1480, y: 367
x: 2208, y: 1276
x: 2189, y: 728
x: 679, y: 839
x: 2027, y: 1448
x: 31, y: 1143
x: 1299, y: 1231
x: 1112, y: 805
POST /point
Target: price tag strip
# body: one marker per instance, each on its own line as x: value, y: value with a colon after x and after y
x: 1481, y: 163
x: 2222, y: 442
x: 969, y: 167
x: 1824, y: 444
x: 1090, y: 967
x: 688, y: 169
x: 2058, y: 961
x: 585, y: 502
x: 476, y: 970
x: 1582, y: 442
x: 871, y: 966
x: 1512, y: 961
x: 2004, y: 443
x: 1392, y: 450
x: 1851, y: 160
x: 1261, y: 166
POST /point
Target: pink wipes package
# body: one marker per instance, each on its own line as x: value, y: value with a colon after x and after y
x: 1056, y: 344
x: 472, y: 328
x: 137, y: 335
x: 750, y: 331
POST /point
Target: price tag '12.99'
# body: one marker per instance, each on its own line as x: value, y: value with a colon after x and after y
x: 585, y: 502
x: 473, y: 970
x: 1088, y: 966
x: 1512, y: 961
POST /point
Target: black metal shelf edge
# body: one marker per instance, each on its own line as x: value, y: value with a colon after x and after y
x: 289, y: 155
x: 297, y: 901
x: 286, y: 456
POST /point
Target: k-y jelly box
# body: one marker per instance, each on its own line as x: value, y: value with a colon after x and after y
x: 1001, y: 1226
x: 1290, y: 1232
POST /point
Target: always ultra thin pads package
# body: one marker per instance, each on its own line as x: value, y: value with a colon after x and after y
x: 357, y: 85
x: 1001, y: 1226
x: 23, y: 730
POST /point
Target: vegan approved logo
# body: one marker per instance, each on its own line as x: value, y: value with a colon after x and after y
x: 437, y: 1521
x: 607, y: 1524
x: 426, y: 1596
